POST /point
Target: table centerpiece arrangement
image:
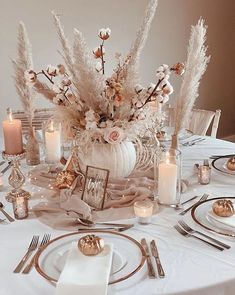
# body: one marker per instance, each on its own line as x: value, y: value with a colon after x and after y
x: 105, y: 115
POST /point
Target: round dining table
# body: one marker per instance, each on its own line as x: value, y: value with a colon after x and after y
x: 191, y: 267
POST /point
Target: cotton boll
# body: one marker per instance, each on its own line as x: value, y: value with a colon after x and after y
x: 104, y: 34
x: 151, y: 88
x: 138, y: 88
x: 167, y: 88
x: 98, y: 66
x: 52, y: 70
x: 160, y: 75
x: 97, y: 52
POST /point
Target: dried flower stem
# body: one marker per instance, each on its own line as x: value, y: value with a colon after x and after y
x: 52, y: 82
x: 151, y: 94
x: 102, y: 56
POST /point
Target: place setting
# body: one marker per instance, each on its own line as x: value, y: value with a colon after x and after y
x: 107, y: 186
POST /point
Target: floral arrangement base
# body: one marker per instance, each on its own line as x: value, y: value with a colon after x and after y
x: 119, y: 159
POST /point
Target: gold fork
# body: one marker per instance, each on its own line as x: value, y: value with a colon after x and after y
x: 186, y: 234
x: 45, y: 240
x: 32, y: 246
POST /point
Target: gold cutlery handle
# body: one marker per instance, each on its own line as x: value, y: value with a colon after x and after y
x: 214, y: 240
x: 22, y: 262
x: 151, y: 271
x: 7, y: 215
x: 160, y: 270
x: 28, y: 267
x: 211, y: 244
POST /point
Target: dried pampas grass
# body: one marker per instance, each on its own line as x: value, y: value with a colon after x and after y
x: 21, y: 64
x: 132, y: 69
x: 67, y: 52
x: 93, y: 83
x: 195, y: 68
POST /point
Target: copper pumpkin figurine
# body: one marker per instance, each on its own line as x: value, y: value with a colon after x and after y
x: 90, y: 245
x: 223, y: 208
x: 231, y: 164
x: 65, y: 179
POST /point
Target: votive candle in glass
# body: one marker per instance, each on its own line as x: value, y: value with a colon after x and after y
x: 20, y: 207
x: 169, y: 170
x: 204, y: 174
x: 144, y: 211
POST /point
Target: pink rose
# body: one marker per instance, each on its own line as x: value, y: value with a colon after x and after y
x: 113, y: 135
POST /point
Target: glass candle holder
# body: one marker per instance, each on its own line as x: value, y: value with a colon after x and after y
x: 169, y: 177
x: 143, y: 211
x: 52, y: 141
x: 204, y: 174
x: 20, y: 207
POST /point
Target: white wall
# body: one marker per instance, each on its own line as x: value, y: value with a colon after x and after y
x: 167, y: 41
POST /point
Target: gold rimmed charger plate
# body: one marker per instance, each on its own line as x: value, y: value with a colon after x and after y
x: 43, y: 273
x: 220, y: 165
x: 200, y: 211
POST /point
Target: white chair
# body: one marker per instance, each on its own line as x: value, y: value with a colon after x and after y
x: 40, y: 116
x: 200, y: 121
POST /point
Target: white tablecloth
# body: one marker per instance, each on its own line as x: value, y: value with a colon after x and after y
x: 191, y: 267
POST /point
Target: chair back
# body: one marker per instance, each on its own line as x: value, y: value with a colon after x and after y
x: 40, y: 116
x: 200, y: 121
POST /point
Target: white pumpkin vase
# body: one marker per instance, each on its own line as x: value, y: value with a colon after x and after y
x: 119, y: 158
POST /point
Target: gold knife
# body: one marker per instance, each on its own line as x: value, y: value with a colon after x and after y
x: 155, y: 254
x: 151, y: 271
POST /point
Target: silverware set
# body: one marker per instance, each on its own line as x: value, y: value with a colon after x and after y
x: 193, y: 141
x: 110, y: 226
x: 186, y: 231
x: 154, y: 251
x: 203, y: 198
x: 33, y: 246
x: 103, y: 225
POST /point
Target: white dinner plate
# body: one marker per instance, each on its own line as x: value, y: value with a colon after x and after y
x: 128, y: 258
x: 227, y: 223
x: 201, y: 215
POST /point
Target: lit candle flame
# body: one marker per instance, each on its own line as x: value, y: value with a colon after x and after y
x: 9, y: 112
x: 51, y: 128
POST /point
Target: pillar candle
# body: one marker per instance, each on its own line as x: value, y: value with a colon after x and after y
x: 12, y: 131
x: 52, y: 144
x: 167, y: 182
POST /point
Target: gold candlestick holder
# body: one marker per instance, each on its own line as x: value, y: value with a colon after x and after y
x: 16, y: 178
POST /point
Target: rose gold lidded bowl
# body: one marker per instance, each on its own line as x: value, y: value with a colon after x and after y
x: 91, y: 245
x: 231, y: 164
x: 223, y: 208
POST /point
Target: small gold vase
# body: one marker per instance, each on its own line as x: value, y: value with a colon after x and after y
x: 32, y: 149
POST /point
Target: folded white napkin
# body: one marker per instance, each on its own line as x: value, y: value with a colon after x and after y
x: 223, y: 221
x: 85, y: 275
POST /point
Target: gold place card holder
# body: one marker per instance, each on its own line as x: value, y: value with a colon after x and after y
x: 95, y: 185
